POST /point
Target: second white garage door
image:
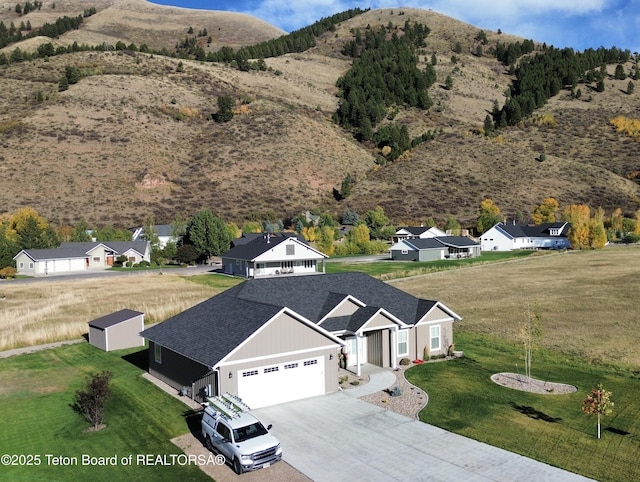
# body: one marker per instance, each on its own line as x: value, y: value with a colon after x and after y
x: 283, y: 382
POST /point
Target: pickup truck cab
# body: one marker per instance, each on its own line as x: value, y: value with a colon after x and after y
x: 244, y: 441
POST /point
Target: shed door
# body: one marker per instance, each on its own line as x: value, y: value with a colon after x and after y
x: 281, y: 382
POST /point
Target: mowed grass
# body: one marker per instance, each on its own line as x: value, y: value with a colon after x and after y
x: 52, y: 310
x: 549, y: 428
x: 389, y: 269
x: 587, y: 300
x: 36, y: 391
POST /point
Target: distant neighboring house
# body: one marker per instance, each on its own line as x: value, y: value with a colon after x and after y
x: 273, y: 340
x: 509, y: 237
x: 79, y: 257
x: 164, y: 232
x: 272, y: 255
x: 417, y: 232
x: 433, y: 249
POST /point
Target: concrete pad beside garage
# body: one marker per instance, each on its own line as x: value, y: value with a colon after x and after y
x: 338, y: 437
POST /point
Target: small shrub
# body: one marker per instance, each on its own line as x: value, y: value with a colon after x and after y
x: 8, y: 272
x: 405, y: 361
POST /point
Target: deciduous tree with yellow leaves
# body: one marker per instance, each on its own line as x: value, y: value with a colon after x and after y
x: 545, y: 212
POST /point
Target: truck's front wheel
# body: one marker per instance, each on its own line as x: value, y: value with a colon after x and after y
x: 237, y: 466
x: 207, y: 442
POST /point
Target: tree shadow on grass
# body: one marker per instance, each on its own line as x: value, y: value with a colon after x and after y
x: 534, y: 414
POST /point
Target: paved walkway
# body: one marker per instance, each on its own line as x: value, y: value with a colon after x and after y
x: 379, y: 379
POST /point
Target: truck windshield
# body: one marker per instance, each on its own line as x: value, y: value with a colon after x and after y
x: 245, y: 433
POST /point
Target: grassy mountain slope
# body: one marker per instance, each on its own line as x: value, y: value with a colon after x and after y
x: 134, y: 139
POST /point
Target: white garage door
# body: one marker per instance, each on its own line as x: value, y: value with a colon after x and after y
x: 283, y: 382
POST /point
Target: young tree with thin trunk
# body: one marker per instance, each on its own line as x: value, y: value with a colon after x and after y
x: 529, y: 334
x: 598, y: 402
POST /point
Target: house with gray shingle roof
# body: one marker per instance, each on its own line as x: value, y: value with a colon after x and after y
x: 267, y: 254
x: 417, y: 232
x: 79, y: 257
x: 436, y: 248
x: 511, y: 236
x: 277, y: 339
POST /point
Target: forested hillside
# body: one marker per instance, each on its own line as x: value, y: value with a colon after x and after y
x: 119, y: 119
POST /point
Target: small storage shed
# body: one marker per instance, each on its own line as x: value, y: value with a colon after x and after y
x: 117, y: 331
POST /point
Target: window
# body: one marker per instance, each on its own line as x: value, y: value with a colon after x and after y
x: 309, y: 263
x: 404, y: 251
x: 403, y: 342
x: 249, y: 373
x: 21, y: 265
x: 224, y: 431
x: 270, y: 369
x: 310, y: 362
x: 30, y: 265
x: 434, y: 333
x: 290, y: 250
x: 290, y: 365
x: 96, y: 259
x: 157, y: 350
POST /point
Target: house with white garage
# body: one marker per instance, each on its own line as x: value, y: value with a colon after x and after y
x: 417, y: 232
x: 79, y: 257
x: 272, y: 255
x: 273, y: 340
x: 434, y: 249
x: 511, y: 236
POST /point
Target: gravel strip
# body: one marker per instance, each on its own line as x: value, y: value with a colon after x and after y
x: 409, y: 403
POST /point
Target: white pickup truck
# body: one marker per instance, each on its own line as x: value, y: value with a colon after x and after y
x: 235, y: 433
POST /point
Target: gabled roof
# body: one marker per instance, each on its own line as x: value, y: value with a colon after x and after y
x: 209, y: 331
x: 438, y: 242
x: 261, y: 244
x: 114, y: 318
x: 533, y: 230
x: 83, y: 249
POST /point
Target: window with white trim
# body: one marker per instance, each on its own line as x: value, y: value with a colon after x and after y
x: 157, y: 351
x: 30, y: 265
x: 21, y: 265
x: 403, y: 342
x: 434, y: 335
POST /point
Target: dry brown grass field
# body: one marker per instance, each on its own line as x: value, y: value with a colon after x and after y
x: 55, y: 310
x: 587, y: 300
x: 134, y: 139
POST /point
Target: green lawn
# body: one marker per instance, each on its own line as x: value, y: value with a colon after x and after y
x: 389, y: 269
x: 549, y: 428
x: 36, y: 391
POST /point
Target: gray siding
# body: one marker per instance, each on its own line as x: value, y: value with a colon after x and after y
x: 98, y: 337
x: 346, y: 308
x: 175, y: 370
x: 378, y: 321
x: 283, y: 334
x: 398, y: 256
x: 125, y: 334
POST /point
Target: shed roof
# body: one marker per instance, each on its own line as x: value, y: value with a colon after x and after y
x: 106, y: 321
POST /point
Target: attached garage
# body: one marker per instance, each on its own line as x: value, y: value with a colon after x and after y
x: 283, y: 382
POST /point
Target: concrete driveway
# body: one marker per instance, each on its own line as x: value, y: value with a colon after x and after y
x: 339, y: 437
